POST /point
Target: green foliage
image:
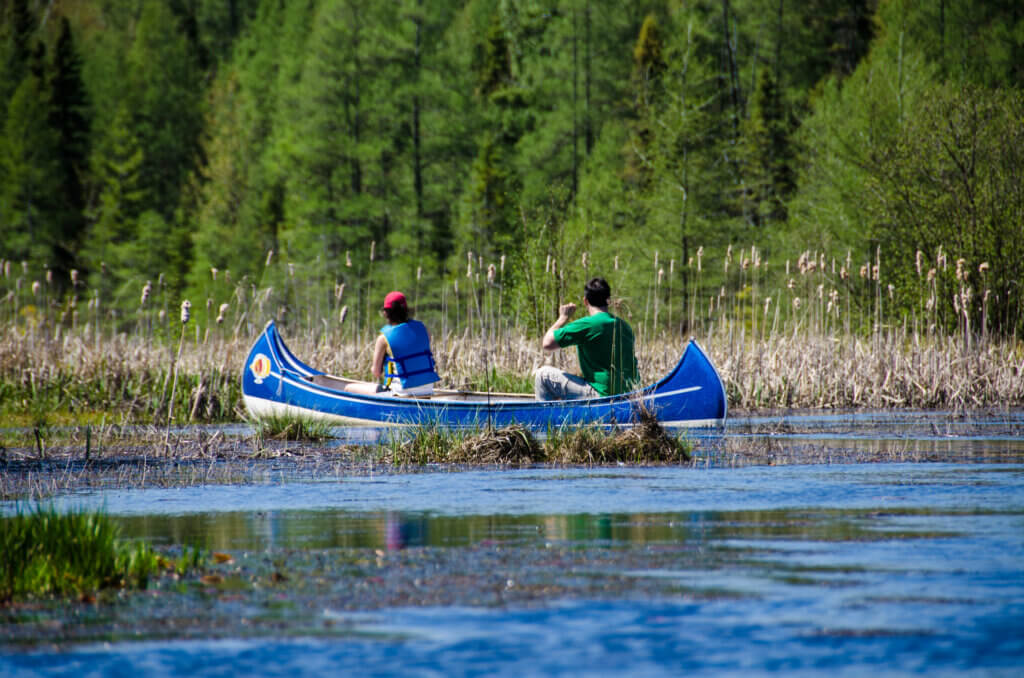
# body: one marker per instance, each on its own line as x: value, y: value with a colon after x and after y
x: 61, y: 554
x: 162, y: 141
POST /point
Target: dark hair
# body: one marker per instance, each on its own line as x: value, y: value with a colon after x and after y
x: 396, y: 314
x: 597, y: 292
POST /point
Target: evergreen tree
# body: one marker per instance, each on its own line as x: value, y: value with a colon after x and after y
x: 29, y: 177
x: 69, y: 117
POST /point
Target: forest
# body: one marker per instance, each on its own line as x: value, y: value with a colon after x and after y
x: 321, y: 152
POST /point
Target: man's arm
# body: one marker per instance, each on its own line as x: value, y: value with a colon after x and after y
x: 565, y: 312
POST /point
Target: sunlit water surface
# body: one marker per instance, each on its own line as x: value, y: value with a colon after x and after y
x: 844, y: 570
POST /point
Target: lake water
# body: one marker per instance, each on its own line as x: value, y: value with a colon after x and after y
x: 806, y: 569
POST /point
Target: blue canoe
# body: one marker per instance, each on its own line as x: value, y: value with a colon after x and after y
x: 276, y: 383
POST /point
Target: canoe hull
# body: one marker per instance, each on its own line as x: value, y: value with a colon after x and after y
x: 276, y: 383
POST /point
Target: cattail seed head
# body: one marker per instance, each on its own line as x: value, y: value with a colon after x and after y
x: 419, y: 273
x: 583, y: 260
x: 270, y: 257
x: 373, y: 250
x: 146, y: 291
x: 491, y: 272
x: 891, y: 289
x: 796, y: 303
x: 547, y: 264
x: 342, y: 314
x: 339, y: 291
x: 982, y: 267
x: 931, y: 275
x: 213, y: 273
x: 767, y: 303
x: 7, y: 269
x: 919, y: 257
x: 291, y: 270
x: 616, y: 262
x: 661, y: 274
x: 24, y: 267
x: 864, y: 270
x: 186, y: 311
x: 961, y: 274
x: 220, y: 313
x: 74, y: 276
x: 501, y: 268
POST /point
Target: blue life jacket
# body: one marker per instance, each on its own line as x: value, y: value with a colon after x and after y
x: 411, y: 361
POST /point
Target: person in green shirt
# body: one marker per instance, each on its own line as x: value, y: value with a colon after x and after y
x: 604, y: 344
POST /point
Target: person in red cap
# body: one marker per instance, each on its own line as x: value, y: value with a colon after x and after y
x: 402, y: 361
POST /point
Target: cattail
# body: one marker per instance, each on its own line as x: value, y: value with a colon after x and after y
x: 796, y: 303
x: 74, y: 277
x: 469, y: 270
x: 554, y: 267
x: 547, y: 264
x: 864, y: 271
x: 767, y: 303
x: 891, y: 288
x: 291, y: 270
x: 491, y: 272
x: 35, y: 288
x: 373, y: 249
x: 821, y: 291
x: 220, y: 314
x: 583, y: 260
x: 74, y: 301
x: 419, y: 273
x: 918, y: 258
x: 672, y: 267
x: 342, y: 314
x: 348, y: 259
x: 162, y: 315
x: 787, y: 267
x: 501, y: 268
x: 616, y: 262
x: 791, y: 284
x: 960, y: 273
x: 339, y: 291
x: 843, y: 273
x: 270, y: 257
x: 213, y: 273
x: 655, y: 259
x: 227, y: 275
x: 186, y: 311
x: 456, y: 285
x: 24, y: 267
x: 661, y: 274
x: 982, y: 267
x: 874, y: 272
x: 700, y: 255
x: 146, y: 290
x: 931, y: 275
x: 7, y: 269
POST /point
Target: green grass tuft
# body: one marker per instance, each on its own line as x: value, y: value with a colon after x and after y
x: 51, y: 553
x: 292, y: 427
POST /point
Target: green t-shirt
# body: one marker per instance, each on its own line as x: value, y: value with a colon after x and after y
x: 605, y: 347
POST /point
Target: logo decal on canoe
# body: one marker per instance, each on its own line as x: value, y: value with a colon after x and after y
x: 260, y: 367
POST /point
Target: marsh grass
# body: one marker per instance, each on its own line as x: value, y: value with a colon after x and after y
x: 295, y: 428
x: 807, y: 334
x: 77, y: 553
x: 645, y: 442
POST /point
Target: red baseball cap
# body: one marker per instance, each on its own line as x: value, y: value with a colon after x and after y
x: 394, y: 299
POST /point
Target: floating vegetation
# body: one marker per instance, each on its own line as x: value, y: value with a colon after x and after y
x: 77, y: 553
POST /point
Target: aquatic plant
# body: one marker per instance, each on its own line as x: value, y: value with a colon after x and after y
x: 76, y: 553
x: 293, y: 427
